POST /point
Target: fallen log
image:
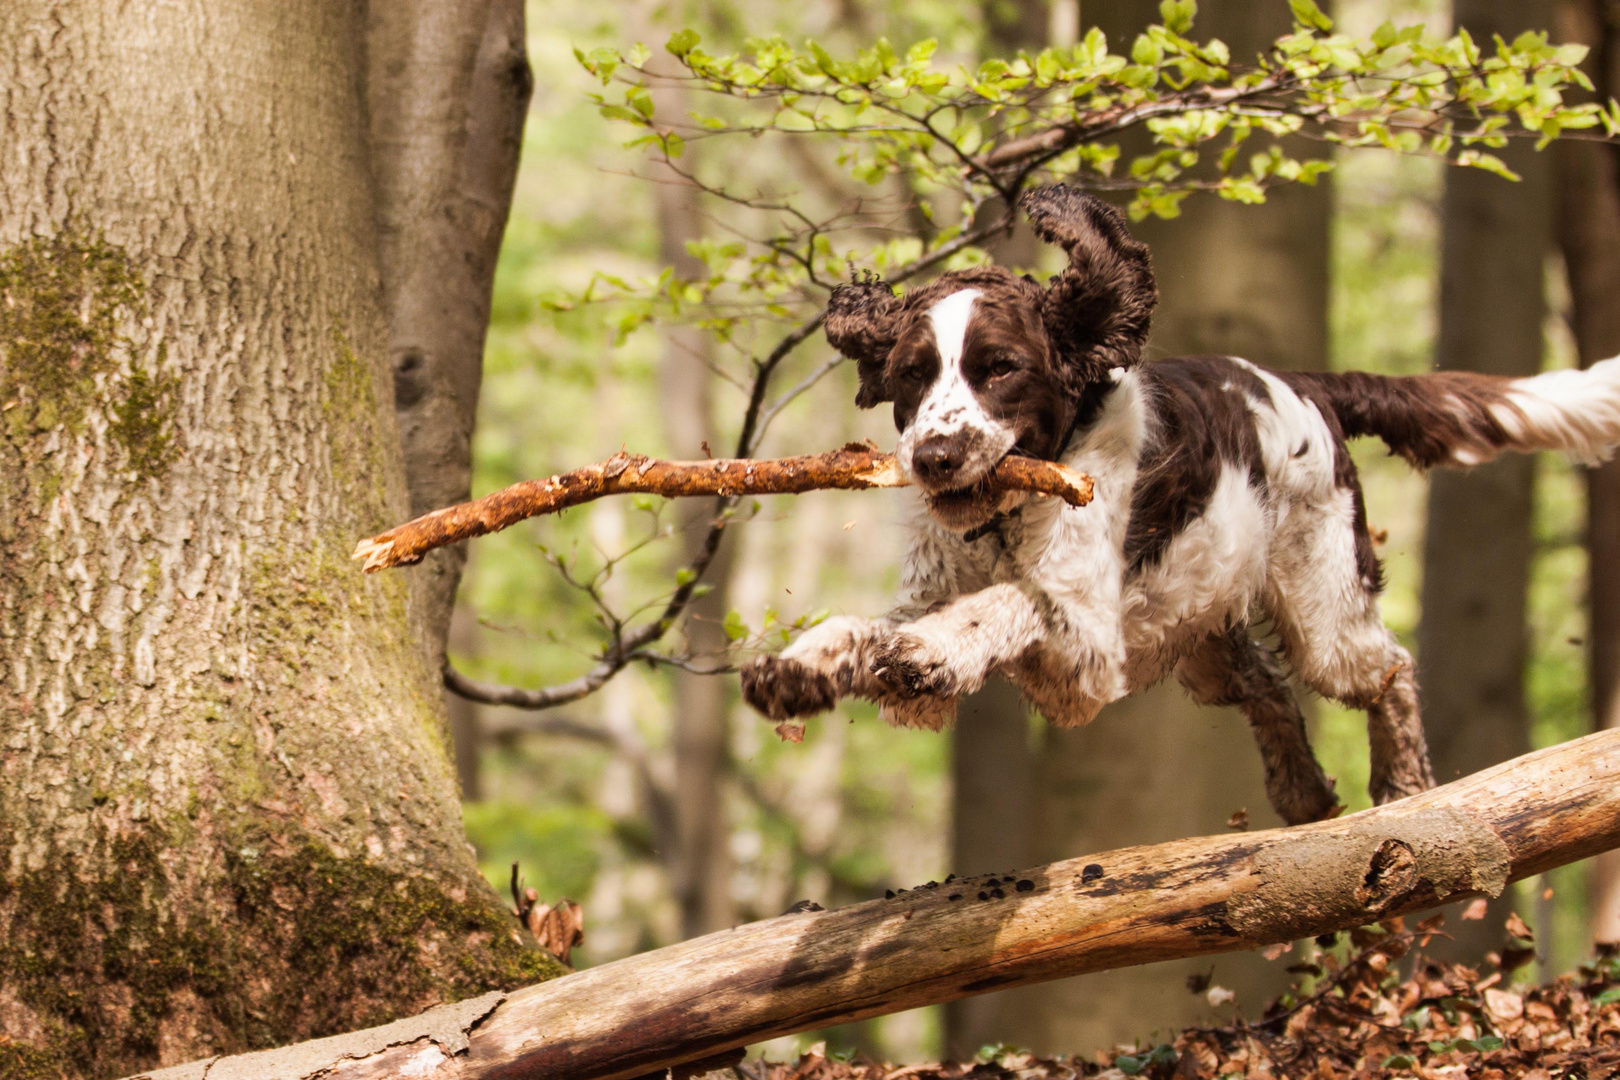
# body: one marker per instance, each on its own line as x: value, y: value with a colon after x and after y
x: 852, y: 468
x: 943, y: 941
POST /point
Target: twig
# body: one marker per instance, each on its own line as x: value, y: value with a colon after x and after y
x: 852, y: 468
x: 801, y: 387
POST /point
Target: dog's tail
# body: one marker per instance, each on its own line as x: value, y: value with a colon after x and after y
x: 1459, y: 419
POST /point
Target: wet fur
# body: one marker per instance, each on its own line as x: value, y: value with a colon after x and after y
x: 1225, y: 496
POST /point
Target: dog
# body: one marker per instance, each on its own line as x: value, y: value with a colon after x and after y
x: 1225, y: 497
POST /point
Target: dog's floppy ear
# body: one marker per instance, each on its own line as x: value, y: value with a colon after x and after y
x: 1097, y: 311
x: 863, y: 318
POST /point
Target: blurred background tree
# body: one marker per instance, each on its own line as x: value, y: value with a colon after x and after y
x: 666, y: 807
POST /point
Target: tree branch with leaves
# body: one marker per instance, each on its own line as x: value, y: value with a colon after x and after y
x: 964, y: 139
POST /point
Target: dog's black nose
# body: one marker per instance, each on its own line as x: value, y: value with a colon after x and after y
x: 935, y: 460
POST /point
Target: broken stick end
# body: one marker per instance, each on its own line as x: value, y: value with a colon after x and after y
x: 377, y: 556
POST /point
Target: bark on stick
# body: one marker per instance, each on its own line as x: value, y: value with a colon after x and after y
x: 853, y: 467
x: 937, y: 943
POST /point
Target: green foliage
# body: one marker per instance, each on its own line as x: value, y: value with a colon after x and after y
x: 960, y: 141
x: 558, y: 848
x: 989, y: 129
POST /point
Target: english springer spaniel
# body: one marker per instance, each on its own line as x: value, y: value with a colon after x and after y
x: 1224, y: 497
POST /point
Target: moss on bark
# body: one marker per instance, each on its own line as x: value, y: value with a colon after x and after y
x: 244, y: 953
x: 67, y: 303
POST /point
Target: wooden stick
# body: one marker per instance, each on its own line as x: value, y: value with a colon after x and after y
x: 855, y: 466
x: 939, y: 942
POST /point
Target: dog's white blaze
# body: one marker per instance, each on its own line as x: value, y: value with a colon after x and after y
x: 950, y: 404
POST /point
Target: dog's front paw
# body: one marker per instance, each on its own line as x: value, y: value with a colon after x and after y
x: 910, y: 665
x: 782, y: 688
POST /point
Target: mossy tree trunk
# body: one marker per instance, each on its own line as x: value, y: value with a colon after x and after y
x: 228, y: 817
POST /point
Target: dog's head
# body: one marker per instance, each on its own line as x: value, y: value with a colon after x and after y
x: 981, y: 363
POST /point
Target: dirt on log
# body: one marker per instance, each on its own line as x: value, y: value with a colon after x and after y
x: 854, y: 467
x: 947, y: 940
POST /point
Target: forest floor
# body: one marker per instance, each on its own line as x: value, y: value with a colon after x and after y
x: 1369, y: 1007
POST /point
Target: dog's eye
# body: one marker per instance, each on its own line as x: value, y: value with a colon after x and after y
x: 1001, y: 368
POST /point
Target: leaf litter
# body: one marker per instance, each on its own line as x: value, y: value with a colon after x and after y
x: 1369, y: 1007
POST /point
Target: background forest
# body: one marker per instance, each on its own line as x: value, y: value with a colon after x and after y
x: 668, y: 809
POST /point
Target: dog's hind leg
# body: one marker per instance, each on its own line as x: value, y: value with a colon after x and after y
x: 1233, y: 669
x: 1399, y: 751
x: 1358, y: 661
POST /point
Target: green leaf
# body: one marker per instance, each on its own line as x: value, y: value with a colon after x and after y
x: 1307, y: 14
x: 685, y: 576
x: 1489, y: 162
x: 682, y: 42
x: 1608, y: 997
x: 734, y: 626
x: 1399, y: 1061
x: 824, y: 59
x: 1178, y: 15
x: 1129, y: 1064
x: 1146, y: 51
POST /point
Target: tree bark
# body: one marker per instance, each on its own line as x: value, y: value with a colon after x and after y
x: 700, y: 999
x: 1252, y: 282
x: 993, y: 826
x: 1473, y: 642
x: 700, y: 865
x: 1588, y: 178
x: 448, y: 86
x: 227, y: 814
x: 992, y: 762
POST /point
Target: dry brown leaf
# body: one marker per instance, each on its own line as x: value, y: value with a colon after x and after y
x: 557, y: 929
x: 1516, y: 926
x: 1476, y: 908
x: 1503, y: 1005
x: 790, y: 731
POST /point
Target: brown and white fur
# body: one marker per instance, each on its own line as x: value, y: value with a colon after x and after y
x: 1224, y: 497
